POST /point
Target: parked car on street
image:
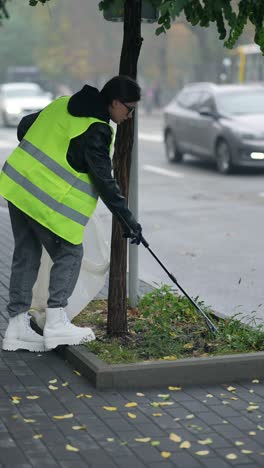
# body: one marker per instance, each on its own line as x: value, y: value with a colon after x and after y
x: 20, y: 99
x: 223, y: 123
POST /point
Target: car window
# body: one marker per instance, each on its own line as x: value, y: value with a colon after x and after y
x: 189, y: 99
x: 243, y: 102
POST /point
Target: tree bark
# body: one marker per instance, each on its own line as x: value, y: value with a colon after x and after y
x: 117, y: 304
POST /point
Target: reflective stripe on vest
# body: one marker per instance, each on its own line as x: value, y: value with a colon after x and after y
x: 44, y: 197
x: 57, y: 169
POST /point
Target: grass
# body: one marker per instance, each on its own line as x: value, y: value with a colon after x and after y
x: 166, y: 326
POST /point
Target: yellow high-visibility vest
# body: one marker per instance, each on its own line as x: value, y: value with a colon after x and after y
x: 38, y: 179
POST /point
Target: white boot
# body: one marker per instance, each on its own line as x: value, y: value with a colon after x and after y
x: 20, y: 335
x: 59, y: 330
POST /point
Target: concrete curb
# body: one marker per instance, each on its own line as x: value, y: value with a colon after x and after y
x: 190, y: 371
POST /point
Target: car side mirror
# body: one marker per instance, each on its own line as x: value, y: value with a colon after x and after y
x: 207, y: 112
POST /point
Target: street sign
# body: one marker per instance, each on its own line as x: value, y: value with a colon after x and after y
x: 149, y: 14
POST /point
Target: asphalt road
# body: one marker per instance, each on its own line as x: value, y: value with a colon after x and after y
x: 206, y: 228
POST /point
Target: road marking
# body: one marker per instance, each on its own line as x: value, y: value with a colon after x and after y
x: 150, y: 137
x: 7, y: 144
x: 159, y: 170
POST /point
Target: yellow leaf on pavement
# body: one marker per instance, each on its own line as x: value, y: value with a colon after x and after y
x: 140, y: 394
x: 186, y: 444
x: 77, y: 373
x: 255, y: 381
x: 238, y: 443
x: 71, y: 448
x: 231, y: 456
x: 79, y: 428
x: 29, y: 420
x: 252, y: 408
x: 37, y: 436
x: 190, y: 416
x: 169, y: 358
x: 53, y: 381
x: 202, y: 453
x: 205, y: 441
x: 166, y: 454
x: 65, y: 384
x: 246, y: 451
x: 80, y: 395
x: 156, y: 414
x: 143, y: 439
x: 174, y: 388
x: 88, y: 396
x: 132, y: 415
x: 231, y: 389
x: 175, y: 437
x: 51, y: 387
x: 131, y: 405
x: 161, y: 395
x: 110, y: 408
x: 32, y: 397
x: 64, y: 416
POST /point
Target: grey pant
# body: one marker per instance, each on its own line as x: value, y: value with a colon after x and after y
x: 29, y: 237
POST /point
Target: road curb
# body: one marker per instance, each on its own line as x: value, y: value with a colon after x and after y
x: 189, y: 371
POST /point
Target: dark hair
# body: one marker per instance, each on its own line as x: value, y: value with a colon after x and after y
x: 121, y: 87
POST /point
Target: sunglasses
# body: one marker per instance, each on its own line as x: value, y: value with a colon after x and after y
x: 130, y: 109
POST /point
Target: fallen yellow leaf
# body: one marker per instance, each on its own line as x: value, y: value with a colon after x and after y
x: 190, y: 416
x: 37, y: 436
x: 154, y: 443
x: 77, y: 373
x: 166, y: 454
x: 64, y: 416
x: 253, y: 433
x: 174, y: 388
x: 261, y: 428
x: 205, y: 441
x: 65, y: 384
x: 175, y: 437
x: 202, y: 453
x: 71, y: 448
x: 110, y: 439
x: 131, y: 405
x: 29, y: 420
x: 140, y: 394
x: 110, y: 408
x: 156, y: 414
x: 79, y: 428
x: 231, y: 389
x: 246, y: 451
x: 169, y: 358
x: 143, y: 439
x: 209, y: 395
x: 80, y: 395
x: 163, y: 396
x: 88, y: 396
x: 132, y: 415
x: 238, y: 443
x: 32, y: 397
x: 51, y: 387
x: 255, y: 381
x: 53, y: 381
x: 185, y: 445
x: 231, y: 456
x: 252, y: 408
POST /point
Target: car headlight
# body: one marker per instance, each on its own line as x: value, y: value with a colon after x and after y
x: 13, y: 109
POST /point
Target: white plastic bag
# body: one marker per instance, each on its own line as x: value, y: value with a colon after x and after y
x: 95, y: 266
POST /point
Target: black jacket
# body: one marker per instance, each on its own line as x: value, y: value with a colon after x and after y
x: 89, y: 152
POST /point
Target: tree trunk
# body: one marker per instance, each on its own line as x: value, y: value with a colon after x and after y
x: 117, y: 306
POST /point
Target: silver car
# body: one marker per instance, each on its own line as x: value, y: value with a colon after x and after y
x: 20, y: 99
x: 224, y: 123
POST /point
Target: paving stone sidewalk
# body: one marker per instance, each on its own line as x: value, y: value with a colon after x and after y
x: 50, y: 416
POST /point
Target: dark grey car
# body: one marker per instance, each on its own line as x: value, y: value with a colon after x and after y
x: 224, y: 123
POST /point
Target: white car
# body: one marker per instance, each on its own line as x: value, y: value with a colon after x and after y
x: 20, y: 99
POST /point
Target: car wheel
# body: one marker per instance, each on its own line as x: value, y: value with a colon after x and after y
x: 223, y: 158
x: 172, y: 152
